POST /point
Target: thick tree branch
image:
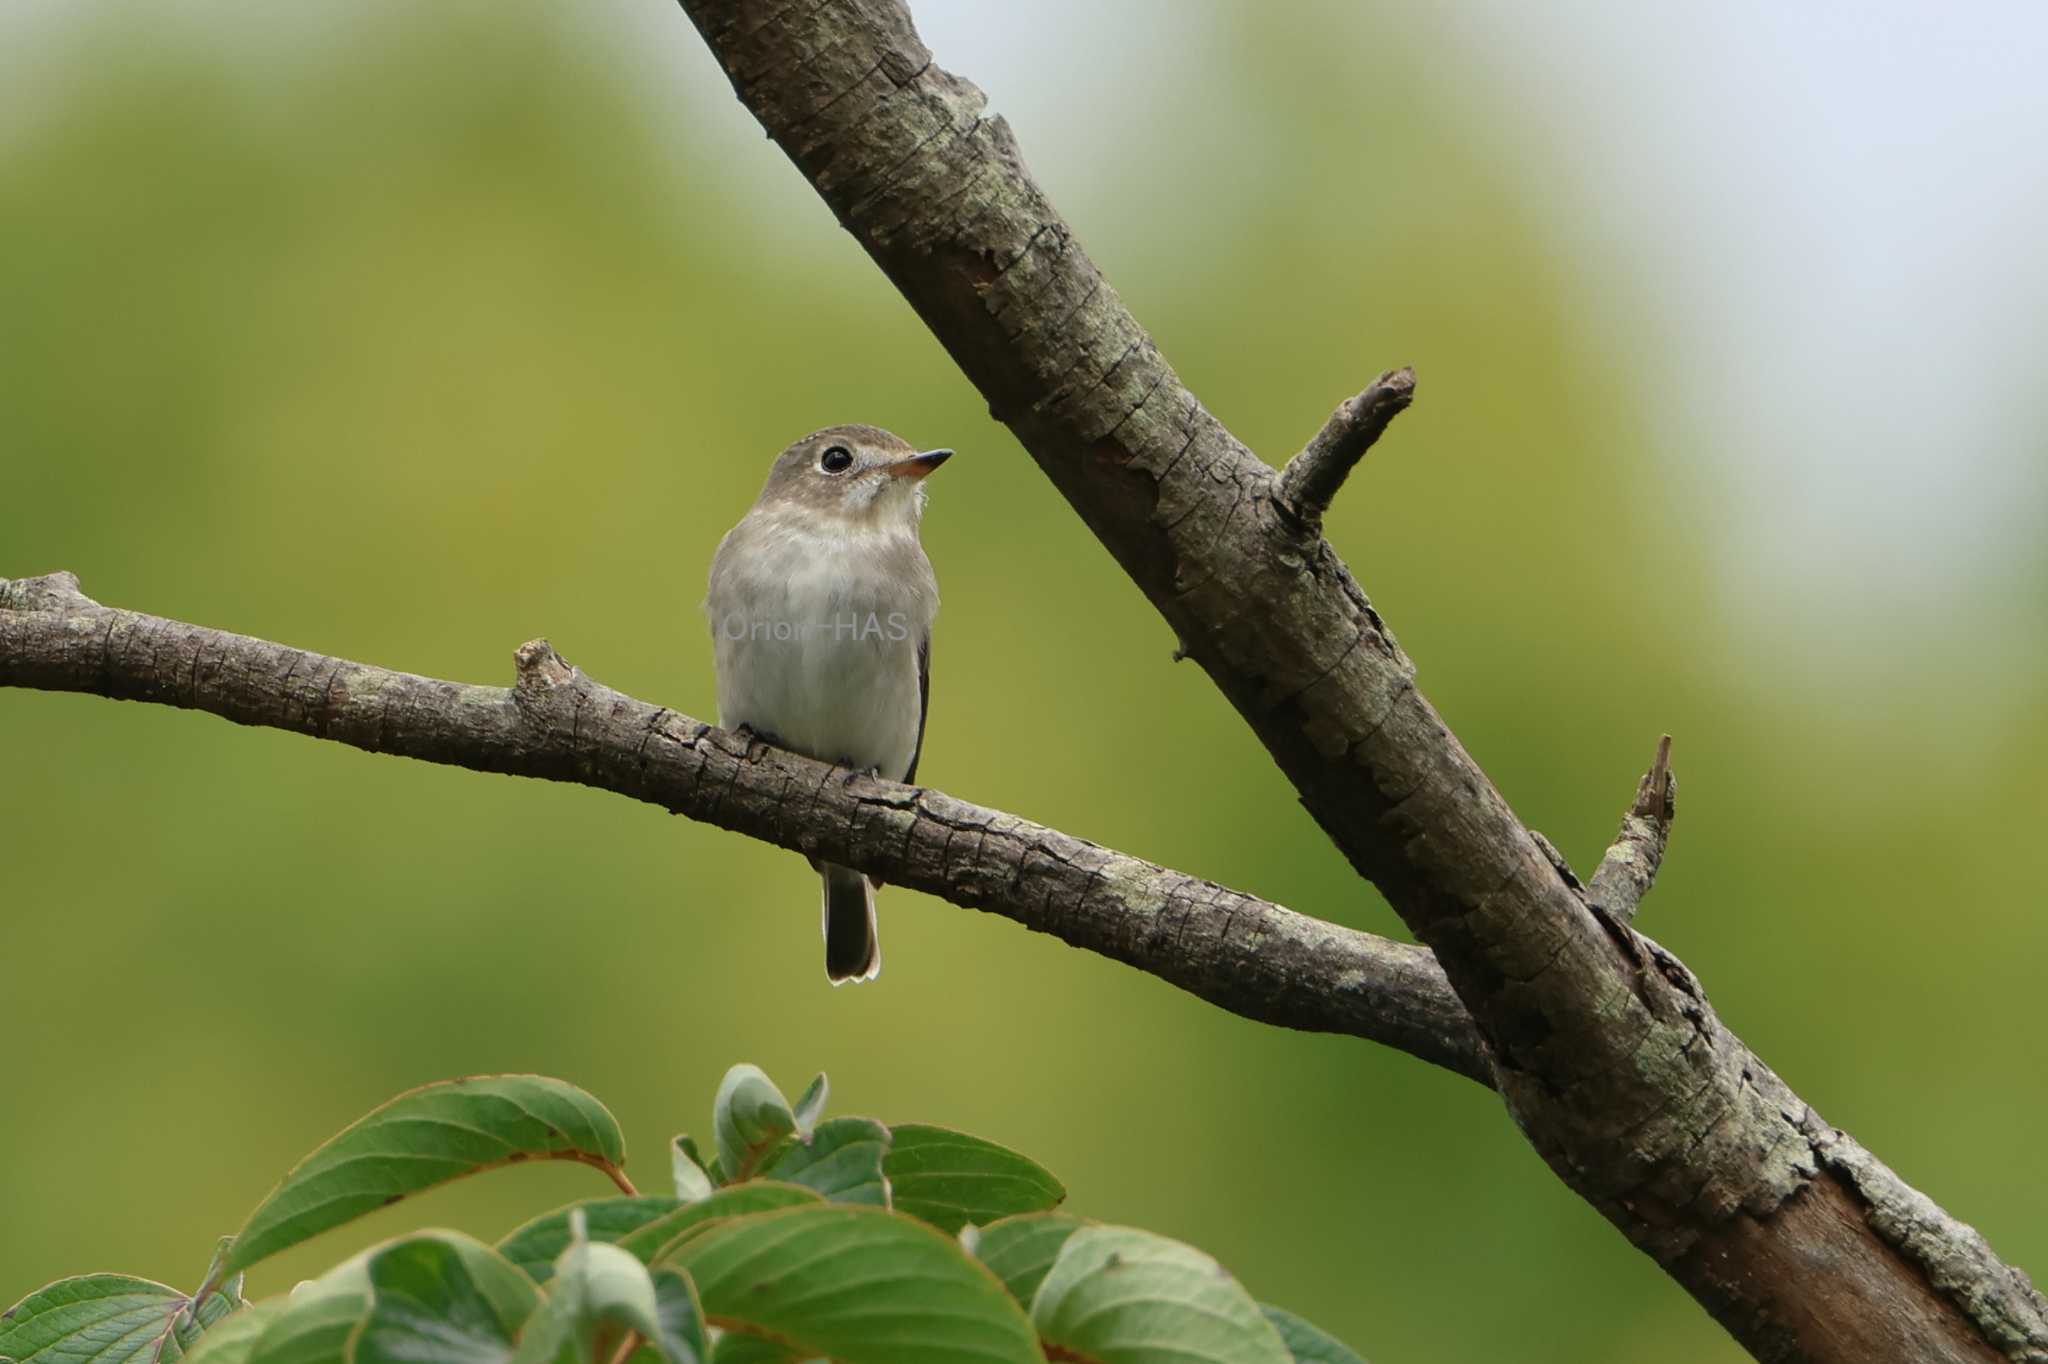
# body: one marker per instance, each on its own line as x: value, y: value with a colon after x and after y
x: 1311, y: 479
x: 1607, y: 1053
x: 1244, y: 954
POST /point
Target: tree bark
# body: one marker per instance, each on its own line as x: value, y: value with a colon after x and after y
x: 1605, y: 1048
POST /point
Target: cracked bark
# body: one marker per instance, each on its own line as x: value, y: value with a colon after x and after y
x: 1244, y: 954
x: 1607, y: 1053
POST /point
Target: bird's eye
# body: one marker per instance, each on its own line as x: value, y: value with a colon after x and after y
x: 837, y: 459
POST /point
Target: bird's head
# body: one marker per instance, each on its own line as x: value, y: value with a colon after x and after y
x: 860, y: 474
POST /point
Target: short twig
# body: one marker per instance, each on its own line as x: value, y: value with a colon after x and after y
x: 1310, y: 481
x: 1630, y: 866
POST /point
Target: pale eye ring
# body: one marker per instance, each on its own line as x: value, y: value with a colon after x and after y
x: 837, y: 459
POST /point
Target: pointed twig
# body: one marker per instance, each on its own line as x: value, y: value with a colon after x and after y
x: 1310, y: 481
x: 1630, y: 866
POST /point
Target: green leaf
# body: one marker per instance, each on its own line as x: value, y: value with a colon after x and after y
x: 534, y: 1246
x: 855, y: 1284
x: 734, y: 1348
x: 314, y: 1328
x: 1308, y: 1344
x: 189, y: 1327
x: 656, y: 1241
x: 427, y: 1137
x: 503, y: 1284
x: 1120, y: 1296
x: 594, y: 1285
x: 950, y: 1179
x: 97, y: 1313
x: 616, y: 1288
x: 1020, y: 1250
x: 100, y: 1318
x: 680, y: 1316
x: 218, y: 1282
x: 234, y: 1339
x: 315, y: 1323
x: 810, y: 1105
x: 426, y: 1306
x: 841, y: 1159
x: 749, y: 1116
x: 692, y: 1181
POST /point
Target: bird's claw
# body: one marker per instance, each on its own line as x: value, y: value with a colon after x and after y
x: 757, y: 743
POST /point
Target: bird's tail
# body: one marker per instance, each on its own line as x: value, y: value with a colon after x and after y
x: 852, y: 949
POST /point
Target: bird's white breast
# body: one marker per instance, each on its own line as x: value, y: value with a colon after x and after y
x: 816, y: 636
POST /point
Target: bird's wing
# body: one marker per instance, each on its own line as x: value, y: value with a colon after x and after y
x: 924, y: 702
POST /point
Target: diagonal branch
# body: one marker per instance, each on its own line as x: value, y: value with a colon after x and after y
x: 1606, y: 1051
x: 1246, y: 955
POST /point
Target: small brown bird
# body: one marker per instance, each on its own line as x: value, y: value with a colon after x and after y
x: 821, y: 605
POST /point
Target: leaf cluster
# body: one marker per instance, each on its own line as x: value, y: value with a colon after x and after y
x: 798, y: 1238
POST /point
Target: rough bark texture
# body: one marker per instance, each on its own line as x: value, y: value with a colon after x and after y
x: 1605, y: 1048
x: 1244, y: 954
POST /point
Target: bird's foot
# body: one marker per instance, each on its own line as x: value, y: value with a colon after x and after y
x: 757, y: 743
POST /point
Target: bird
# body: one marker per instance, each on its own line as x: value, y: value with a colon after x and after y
x: 821, y: 602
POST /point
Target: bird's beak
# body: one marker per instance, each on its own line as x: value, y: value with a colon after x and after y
x: 917, y: 466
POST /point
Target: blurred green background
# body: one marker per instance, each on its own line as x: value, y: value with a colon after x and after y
x: 409, y: 332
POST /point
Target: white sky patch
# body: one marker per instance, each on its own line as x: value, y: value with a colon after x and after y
x: 1835, y: 214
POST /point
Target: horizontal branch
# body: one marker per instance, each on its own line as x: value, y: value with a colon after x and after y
x: 1249, y: 956
x: 1311, y: 479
